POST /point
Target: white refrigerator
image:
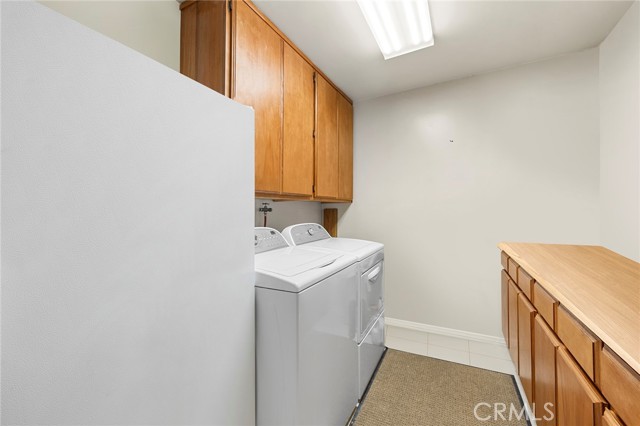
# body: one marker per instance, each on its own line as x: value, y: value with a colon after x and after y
x: 127, y: 235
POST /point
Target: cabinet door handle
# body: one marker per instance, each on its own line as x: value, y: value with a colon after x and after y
x: 374, y: 274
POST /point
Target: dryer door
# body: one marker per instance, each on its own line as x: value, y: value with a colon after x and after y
x: 371, y: 293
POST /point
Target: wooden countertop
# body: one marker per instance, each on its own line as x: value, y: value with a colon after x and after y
x: 599, y: 287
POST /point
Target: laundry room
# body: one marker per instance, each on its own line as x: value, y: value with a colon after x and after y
x: 351, y: 212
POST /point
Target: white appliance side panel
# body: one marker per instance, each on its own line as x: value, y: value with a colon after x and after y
x: 127, y: 235
x: 369, y: 352
x: 328, y: 355
x: 371, y: 296
x: 276, y: 357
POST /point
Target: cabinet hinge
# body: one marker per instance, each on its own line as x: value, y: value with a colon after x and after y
x: 230, y: 5
x: 314, y: 77
x: 314, y: 134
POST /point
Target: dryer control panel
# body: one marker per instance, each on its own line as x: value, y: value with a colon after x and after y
x: 267, y: 239
x: 306, y: 233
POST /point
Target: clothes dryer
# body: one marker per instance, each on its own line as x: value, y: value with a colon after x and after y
x: 370, y: 288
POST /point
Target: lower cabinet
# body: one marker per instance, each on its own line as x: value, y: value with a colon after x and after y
x: 526, y: 315
x: 579, y: 402
x: 621, y: 387
x: 545, y: 344
x: 513, y: 322
x: 610, y: 419
x: 504, y: 297
x: 569, y: 377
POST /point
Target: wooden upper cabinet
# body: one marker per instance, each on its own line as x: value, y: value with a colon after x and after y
x: 327, y: 166
x: 303, y: 127
x: 188, y: 39
x: 257, y: 82
x: 299, y: 106
x: 345, y: 149
x: 205, y: 41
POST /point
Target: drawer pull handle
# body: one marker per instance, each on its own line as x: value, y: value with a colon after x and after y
x: 373, y: 274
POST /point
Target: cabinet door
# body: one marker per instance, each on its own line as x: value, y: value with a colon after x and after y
x: 299, y: 105
x: 504, y: 292
x: 257, y: 82
x: 345, y: 148
x: 327, y: 168
x: 526, y: 367
x: 579, y: 403
x: 545, y: 343
x: 204, y: 43
x: 621, y: 386
x: 610, y: 419
x: 513, y: 322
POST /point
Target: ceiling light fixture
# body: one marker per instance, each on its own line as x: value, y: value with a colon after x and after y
x: 399, y: 26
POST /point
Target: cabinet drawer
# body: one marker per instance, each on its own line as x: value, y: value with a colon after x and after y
x: 545, y: 304
x: 610, y: 419
x: 504, y: 259
x: 525, y: 282
x: 513, y: 269
x: 579, y: 402
x: 579, y: 341
x: 621, y: 387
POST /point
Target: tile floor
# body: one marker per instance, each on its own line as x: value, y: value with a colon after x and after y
x: 483, y: 355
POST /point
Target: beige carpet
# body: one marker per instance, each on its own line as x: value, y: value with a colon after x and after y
x: 417, y: 390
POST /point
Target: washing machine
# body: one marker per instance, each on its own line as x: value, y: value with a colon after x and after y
x: 370, y: 287
x: 305, y: 323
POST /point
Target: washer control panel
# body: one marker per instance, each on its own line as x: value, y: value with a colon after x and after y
x: 267, y: 239
x: 307, y: 233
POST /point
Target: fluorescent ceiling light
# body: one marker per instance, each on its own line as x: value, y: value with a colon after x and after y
x: 399, y: 26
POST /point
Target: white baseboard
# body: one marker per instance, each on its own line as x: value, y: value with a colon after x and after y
x: 433, y: 329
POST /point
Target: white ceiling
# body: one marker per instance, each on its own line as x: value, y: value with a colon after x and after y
x: 471, y: 37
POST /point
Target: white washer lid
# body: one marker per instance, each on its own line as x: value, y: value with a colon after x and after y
x: 295, y: 268
x: 290, y: 262
x: 359, y: 248
x: 313, y: 235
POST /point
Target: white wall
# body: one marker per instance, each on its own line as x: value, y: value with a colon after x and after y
x: 620, y: 136
x: 151, y: 27
x: 523, y: 167
x: 127, y: 292
x: 287, y: 213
